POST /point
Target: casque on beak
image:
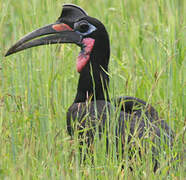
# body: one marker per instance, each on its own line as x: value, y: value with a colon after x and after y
x: 59, y: 32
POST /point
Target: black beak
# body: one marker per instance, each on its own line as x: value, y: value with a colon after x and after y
x: 57, y: 33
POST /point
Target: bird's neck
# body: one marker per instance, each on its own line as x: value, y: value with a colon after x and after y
x: 94, y: 78
x: 93, y: 85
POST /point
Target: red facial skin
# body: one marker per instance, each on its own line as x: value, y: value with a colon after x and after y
x: 84, y: 55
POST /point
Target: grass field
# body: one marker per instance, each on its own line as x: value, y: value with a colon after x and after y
x: 37, y: 86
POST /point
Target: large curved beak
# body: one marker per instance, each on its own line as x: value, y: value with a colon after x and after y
x: 56, y: 33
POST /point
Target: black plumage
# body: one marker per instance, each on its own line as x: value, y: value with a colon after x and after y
x: 92, y: 107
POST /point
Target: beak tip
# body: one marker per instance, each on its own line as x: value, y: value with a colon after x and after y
x: 8, y: 53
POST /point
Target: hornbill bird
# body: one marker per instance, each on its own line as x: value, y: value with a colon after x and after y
x: 92, y: 107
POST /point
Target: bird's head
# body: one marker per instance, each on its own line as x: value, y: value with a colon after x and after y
x: 73, y: 26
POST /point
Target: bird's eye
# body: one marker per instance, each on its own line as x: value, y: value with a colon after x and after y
x: 82, y: 27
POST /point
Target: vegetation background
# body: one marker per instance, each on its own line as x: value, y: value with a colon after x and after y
x: 38, y: 85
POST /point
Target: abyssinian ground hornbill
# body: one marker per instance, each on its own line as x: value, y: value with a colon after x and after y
x: 92, y: 106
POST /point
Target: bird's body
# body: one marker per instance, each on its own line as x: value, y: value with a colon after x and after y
x: 93, y: 109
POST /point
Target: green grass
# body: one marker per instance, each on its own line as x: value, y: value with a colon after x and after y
x: 38, y: 85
